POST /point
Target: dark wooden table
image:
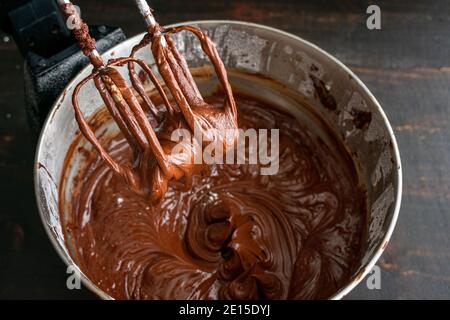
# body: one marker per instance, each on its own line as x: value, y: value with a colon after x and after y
x: 406, y: 64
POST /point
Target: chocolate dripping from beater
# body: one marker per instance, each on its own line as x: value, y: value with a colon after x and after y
x: 174, y: 70
x: 154, y: 164
x: 151, y: 166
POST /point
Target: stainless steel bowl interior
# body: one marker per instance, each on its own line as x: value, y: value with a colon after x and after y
x: 277, y: 55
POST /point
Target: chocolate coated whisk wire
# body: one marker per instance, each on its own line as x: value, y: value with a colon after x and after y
x: 118, y: 97
x: 175, y: 71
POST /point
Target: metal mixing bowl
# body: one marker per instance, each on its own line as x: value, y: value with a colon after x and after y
x: 284, y: 58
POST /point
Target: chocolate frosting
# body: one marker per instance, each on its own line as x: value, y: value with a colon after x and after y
x: 150, y: 224
x: 234, y: 234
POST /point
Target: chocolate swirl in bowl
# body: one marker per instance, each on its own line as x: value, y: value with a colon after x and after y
x: 235, y: 234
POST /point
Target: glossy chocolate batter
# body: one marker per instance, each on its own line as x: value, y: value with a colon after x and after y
x: 147, y: 224
x: 235, y: 234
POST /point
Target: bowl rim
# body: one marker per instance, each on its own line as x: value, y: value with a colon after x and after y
x: 397, y: 161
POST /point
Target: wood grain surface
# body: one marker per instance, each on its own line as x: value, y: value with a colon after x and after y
x: 406, y: 65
